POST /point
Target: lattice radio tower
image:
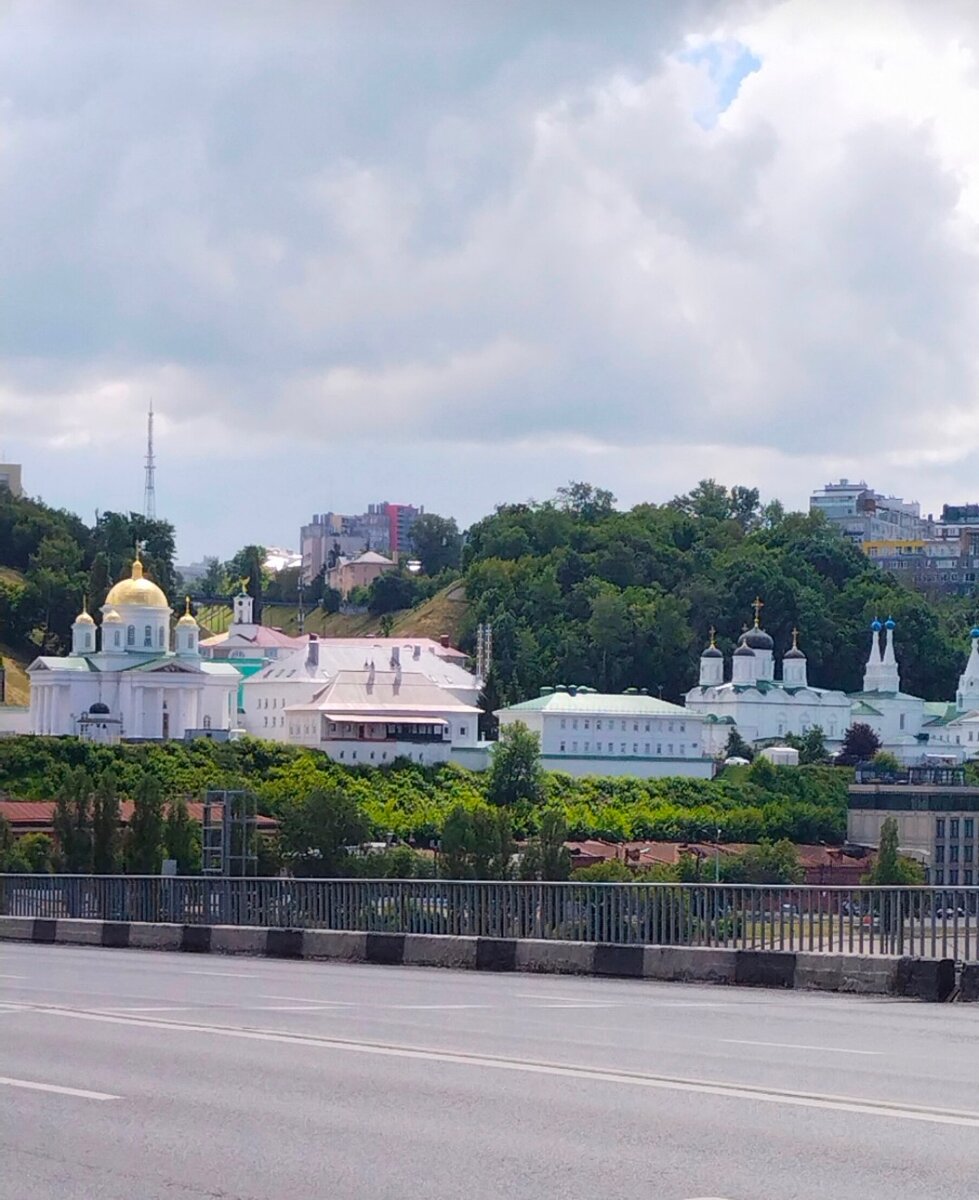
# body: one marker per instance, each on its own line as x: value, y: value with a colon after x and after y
x: 149, y: 491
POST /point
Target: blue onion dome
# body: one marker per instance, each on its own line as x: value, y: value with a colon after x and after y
x: 744, y: 651
x: 974, y: 632
x: 757, y: 639
x: 713, y: 652
x: 795, y: 652
x: 876, y: 626
x: 889, y: 623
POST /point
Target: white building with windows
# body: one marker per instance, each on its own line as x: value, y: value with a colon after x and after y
x: 297, y: 678
x: 132, y: 677
x: 585, y: 732
x: 761, y: 706
x: 370, y: 717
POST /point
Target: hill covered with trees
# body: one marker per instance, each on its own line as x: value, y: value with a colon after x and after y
x: 580, y: 592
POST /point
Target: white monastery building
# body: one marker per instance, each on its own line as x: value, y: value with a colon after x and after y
x: 132, y: 677
x: 585, y: 732
x: 761, y: 706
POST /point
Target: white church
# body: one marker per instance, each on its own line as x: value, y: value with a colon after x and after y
x: 760, y: 705
x: 132, y: 677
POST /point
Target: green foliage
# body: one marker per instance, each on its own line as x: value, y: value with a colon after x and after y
x: 181, y: 838
x: 477, y: 843
x: 812, y: 747
x: 105, y: 825
x: 891, y: 866
x: 144, y: 837
x: 737, y: 747
x: 33, y: 854
x: 515, y: 776
x: 545, y: 855
x: 768, y: 862
x: 437, y: 543
x: 883, y: 760
x: 318, y: 830
x: 612, y: 870
x: 73, y: 821
x: 580, y: 592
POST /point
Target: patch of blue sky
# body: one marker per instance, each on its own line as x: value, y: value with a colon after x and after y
x: 728, y: 64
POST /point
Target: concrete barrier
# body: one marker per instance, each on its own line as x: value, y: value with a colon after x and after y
x: 332, y: 944
x: 689, y: 964
x: 440, y: 950
x: 555, y: 958
x: 921, y: 979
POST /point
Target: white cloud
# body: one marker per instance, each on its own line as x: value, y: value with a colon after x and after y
x: 699, y: 238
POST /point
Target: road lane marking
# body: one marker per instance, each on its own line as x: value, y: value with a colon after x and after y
x: 289, y: 1008
x: 306, y: 1000
x: 79, y: 1093
x: 222, y: 974
x: 796, y: 1046
x: 705, y: 1087
x: 425, y: 1007
x: 13, y: 976
x: 570, y: 1004
x: 154, y: 1008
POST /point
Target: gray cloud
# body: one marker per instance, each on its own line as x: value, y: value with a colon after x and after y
x: 465, y: 251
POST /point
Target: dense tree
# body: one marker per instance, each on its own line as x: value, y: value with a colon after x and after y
x: 515, y: 775
x: 546, y: 856
x: 860, y: 743
x: 737, y: 747
x: 247, y: 569
x: 477, y: 843
x: 318, y: 830
x: 181, y: 838
x: 812, y: 747
x: 105, y: 825
x: 144, y: 837
x: 213, y: 583
x: 73, y: 822
x: 436, y: 541
x: 892, y: 867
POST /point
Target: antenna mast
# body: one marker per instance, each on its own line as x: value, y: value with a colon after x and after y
x: 149, y: 492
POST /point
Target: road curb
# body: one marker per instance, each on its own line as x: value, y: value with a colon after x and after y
x: 881, y: 975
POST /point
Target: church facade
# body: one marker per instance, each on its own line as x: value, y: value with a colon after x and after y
x: 132, y: 677
x: 759, y: 704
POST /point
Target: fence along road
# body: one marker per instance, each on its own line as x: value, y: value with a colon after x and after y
x: 923, y: 922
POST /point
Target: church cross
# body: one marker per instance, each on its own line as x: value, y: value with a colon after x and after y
x: 758, y: 605
x: 712, y: 632
x: 795, y: 639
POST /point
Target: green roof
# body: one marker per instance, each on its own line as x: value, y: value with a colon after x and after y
x: 600, y: 704
x: 862, y: 709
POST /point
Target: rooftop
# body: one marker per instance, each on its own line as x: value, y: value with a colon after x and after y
x: 599, y: 703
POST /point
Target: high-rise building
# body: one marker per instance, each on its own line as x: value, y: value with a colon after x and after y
x: 384, y: 528
x: 864, y: 515
x: 10, y: 477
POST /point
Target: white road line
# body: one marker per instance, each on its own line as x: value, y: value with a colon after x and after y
x: 307, y: 1000
x: 704, y: 1087
x: 164, y: 1008
x: 796, y: 1046
x: 13, y: 976
x: 221, y: 974
x: 425, y: 1007
x: 289, y: 1008
x: 79, y: 1093
x: 570, y: 1004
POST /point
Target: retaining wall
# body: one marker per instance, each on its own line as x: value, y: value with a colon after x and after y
x: 922, y: 979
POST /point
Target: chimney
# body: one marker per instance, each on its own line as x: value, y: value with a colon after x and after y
x: 444, y: 641
x: 313, y: 652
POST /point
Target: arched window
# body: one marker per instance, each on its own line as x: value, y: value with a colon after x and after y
x: 148, y: 636
x: 88, y: 641
x: 159, y: 637
x: 131, y: 636
x: 207, y: 722
x: 118, y: 638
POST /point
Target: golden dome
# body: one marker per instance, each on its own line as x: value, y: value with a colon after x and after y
x: 112, y: 618
x: 188, y: 617
x: 137, y: 592
x: 84, y: 617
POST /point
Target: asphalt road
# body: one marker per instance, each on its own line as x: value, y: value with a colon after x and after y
x: 127, y: 1074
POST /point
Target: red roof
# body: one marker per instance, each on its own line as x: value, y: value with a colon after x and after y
x: 28, y: 816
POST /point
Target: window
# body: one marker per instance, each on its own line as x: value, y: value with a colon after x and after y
x: 275, y: 702
x: 117, y: 638
x: 635, y: 747
x: 967, y: 853
x: 622, y: 750
x: 635, y: 726
x: 462, y: 731
x: 587, y: 746
x: 131, y: 636
x: 159, y: 637
x: 953, y: 876
x: 562, y: 747
x: 207, y: 722
x: 669, y: 749
x: 939, y: 827
x: 148, y: 636
x: 266, y: 720
x: 902, y: 720
x: 967, y: 878
x: 574, y: 747
x: 588, y: 724
x: 647, y: 727
x: 939, y: 854
x: 669, y: 727
x: 683, y: 749
x: 598, y: 724
x: 574, y: 723
x: 659, y: 747
x: 953, y: 854
x: 683, y: 727
x: 623, y: 726
x: 953, y: 827
x: 939, y: 877
x: 969, y: 827
x: 611, y: 747
x: 646, y: 749
x: 564, y: 723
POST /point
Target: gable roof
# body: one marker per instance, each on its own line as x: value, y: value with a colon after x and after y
x: 385, y: 693
x: 597, y: 704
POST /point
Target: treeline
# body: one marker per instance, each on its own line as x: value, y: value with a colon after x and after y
x: 53, y: 561
x: 413, y: 804
x: 579, y: 592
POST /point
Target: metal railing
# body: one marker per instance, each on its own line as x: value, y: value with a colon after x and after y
x: 923, y: 922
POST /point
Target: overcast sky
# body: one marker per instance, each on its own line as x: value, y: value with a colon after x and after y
x: 457, y: 253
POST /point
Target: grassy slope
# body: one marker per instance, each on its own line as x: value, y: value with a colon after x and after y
x: 444, y: 613
x: 14, y: 661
